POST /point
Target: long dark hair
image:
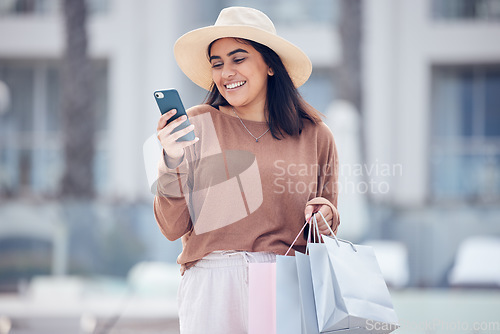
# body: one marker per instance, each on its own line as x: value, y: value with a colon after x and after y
x: 287, y: 109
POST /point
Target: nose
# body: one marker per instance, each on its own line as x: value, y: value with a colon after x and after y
x: 227, y: 72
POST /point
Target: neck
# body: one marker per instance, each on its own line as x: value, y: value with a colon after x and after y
x: 258, y: 116
x: 255, y: 111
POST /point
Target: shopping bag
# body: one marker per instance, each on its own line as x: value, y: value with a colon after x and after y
x: 288, y: 307
x: 261, y: 298
x: 323, y: 283
x: 306, y: 293
x: 273, y: 297
x: 361, y: 298
x: 289, y: 312
x: 276, y: 302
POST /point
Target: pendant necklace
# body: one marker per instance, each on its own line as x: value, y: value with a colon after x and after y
x: 256, y: 138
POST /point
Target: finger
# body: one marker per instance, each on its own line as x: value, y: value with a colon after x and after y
x: 183, y: 132
x: 172, y: 138
x: 167, y: 126
x: 326, y: 211
x: 336, y: 229
x: 164, y: 119
x: 323, y: 229
x: 308, y: 211
x: 318, y: 216
x: 170, y: 127
x: 325, y: 232
x: 322, y: 225
x: 334, y: 219
x: 189, y: 143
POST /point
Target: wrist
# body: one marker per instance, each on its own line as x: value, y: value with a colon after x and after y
x: 172, y: 162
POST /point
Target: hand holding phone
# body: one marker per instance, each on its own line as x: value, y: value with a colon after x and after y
x: 174, y: 129
x: 169, y: 99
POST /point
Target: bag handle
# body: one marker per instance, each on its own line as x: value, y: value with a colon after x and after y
x: 316, y: 229
x: 333, y: 234
x: 316, y: 232
x: 297, y: 237
x: 313, y: 228
x: 309, y: 239
x: 308, y: 234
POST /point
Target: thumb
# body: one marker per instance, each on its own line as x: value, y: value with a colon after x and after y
x: 308, y: 211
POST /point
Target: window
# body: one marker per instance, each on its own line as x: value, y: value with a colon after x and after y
x: 466, y: 9
x: 31, y: 149
x: 46, y: 7
x: 465, y: 148
x: 294, y: 12
x: 22, y: 258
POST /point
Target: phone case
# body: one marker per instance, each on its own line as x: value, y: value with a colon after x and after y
x: 168, y: 99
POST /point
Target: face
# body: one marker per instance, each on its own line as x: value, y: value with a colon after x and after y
x: 240, y: 73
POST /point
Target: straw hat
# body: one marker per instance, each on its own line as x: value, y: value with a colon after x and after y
x: 191, y: 49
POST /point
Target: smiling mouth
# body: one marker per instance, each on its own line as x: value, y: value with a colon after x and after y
x: 235, y: 84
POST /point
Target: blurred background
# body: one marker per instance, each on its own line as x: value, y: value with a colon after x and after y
x: 410, y: 89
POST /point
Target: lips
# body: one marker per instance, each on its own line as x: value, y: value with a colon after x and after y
x: 234, y: 85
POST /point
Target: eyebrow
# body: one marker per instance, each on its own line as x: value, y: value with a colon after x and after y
x: 229, y: 54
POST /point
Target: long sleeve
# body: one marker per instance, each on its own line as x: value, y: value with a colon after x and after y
x: 170, y: 204
x: 255, y: 205
x: 327, y: 187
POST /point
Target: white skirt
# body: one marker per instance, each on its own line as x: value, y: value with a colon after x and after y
x: 213, y: 294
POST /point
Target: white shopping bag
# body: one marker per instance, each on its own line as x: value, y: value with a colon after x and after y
x: 306, y: 293
x: 323, y: 282
x: 288, y: 311
x: 295, y: 307
x: 361, y: 299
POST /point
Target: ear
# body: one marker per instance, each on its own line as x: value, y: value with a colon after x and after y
x: 270, y: 72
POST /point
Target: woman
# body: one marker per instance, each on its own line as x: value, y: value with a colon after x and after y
x: 262, y: 163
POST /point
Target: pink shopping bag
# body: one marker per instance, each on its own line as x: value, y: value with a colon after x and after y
x: 262, y: 298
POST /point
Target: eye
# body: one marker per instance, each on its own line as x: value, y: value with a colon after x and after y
x: 239, y: 60
x: 216, y: 65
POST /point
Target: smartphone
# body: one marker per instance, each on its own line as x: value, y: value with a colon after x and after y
x: 168, y: 99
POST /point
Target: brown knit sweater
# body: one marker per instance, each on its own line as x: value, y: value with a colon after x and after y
x: 233, y: 193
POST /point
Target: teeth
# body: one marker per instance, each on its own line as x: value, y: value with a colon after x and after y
x: 235, y: 84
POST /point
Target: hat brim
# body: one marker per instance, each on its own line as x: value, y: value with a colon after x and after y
x: 190, y: 52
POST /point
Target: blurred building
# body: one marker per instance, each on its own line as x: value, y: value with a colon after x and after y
x: 431, y: 112
x: 432, y: 98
